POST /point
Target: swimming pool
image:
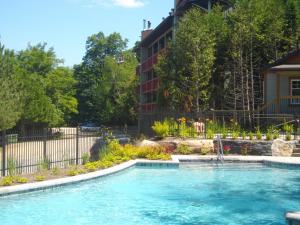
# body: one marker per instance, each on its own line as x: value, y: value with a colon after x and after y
x: 190, y: 194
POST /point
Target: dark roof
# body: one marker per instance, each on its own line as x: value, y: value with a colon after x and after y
x: 165, y: 25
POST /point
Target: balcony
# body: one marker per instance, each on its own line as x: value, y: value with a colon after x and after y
x: 150, y: 85
x: 148, y: 63
x: 148, y: 107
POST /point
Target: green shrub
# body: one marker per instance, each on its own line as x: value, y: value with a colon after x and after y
x: 85, y: 158
x: 251, y: 136
x: 210, y: 134
x: 91, y: 166
x: 184, y: 130
x: 289, y: 129
x: 161, y: 129
x: 72, y: 172
x: 269, y: 136
x: 184, y: 150
x: 39, y: 178
x: 258, y: 134
x: 7, y: 181
x: 205, y: 151
x: 235, y: 135
x: 21, y: 180
x: 244, y: 135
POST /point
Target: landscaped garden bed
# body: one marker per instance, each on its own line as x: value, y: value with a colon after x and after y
x: 110, y: 155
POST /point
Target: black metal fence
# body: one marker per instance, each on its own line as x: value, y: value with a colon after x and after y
x: 56, y: 147
x: 246, y: 120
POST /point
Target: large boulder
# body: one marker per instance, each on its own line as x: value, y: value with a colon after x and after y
x: 282, y: 148
x: 148, y: 143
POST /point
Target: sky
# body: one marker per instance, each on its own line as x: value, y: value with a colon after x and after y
x: 66, y: 24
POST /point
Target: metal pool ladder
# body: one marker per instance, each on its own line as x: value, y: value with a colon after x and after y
x: 220, y: 150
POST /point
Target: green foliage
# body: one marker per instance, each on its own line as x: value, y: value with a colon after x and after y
x: 184, y: 130
x: 272, y: 133
x: 244, y: 135
x: 258, y: 134
x: 21, y: 180
x: 205, y: 151
x: 106, y: 85
x: 289, y: 129
x: 210, y: 134
x: 114, y: 153
x: 161, y: 129
x: 7, y: 181
x: 33, y: 89
x: 224, y: 133
x: 184, y: 150
x: 235, y: 134
x: 39, y: 177
x: 72, y: 172
x: 251, y: 136
x: 269, y: 136
x: 85, y: 158
x: 9, y: 90
x: 185, y: 70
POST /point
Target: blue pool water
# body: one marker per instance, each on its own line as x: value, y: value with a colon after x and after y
x: 193, y: 194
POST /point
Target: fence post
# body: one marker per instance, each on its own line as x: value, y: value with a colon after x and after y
x: 77, y: 147
x: 3, y: 153
x: 44, y: 144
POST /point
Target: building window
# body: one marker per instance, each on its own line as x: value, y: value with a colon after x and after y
x: 149, y: 52
x: 162, y: 43
x: 295, y: 91
x: 155, y: 48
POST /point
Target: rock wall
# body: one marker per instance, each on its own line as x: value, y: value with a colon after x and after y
x: 247, y: 147
x: 265, y: 148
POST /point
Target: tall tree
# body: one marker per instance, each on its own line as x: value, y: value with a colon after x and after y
x: 49, y: 94
x: 9, y: 90
x: 190, y: 60
x: 101, y: 74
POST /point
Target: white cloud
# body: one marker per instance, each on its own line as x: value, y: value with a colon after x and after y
x: 109, y: 3
x: 129, y: 3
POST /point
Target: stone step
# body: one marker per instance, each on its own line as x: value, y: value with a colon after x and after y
x: 296, y: 150
x: 297, y: 145
x: 296, y: 155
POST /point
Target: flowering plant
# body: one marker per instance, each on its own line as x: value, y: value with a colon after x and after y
x: 227, y: 149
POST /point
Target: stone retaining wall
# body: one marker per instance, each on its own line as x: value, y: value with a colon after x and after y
x: 247, y: 147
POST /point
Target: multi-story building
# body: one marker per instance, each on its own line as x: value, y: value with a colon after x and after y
x: 154, y: 42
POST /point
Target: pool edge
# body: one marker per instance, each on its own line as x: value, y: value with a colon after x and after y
x: 175, y: 162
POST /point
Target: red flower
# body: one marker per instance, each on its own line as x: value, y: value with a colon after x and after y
x: 227, y: 148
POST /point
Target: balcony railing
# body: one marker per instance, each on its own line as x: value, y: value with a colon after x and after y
x: 151, y: 85
x: 148, y: 63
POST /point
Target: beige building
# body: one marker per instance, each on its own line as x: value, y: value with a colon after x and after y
x: 282, y: 86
